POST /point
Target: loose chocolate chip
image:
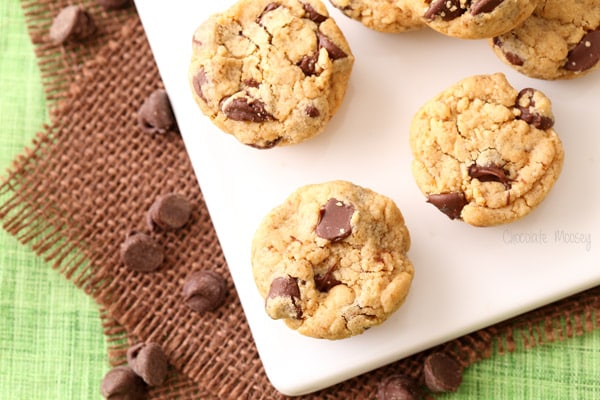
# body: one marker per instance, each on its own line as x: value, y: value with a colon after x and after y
x: 586, y: 54
x: 113, y: 4
x: 307, y: 64
x: 450, y: 204
x: 155, y: 114
x: 204, y: 291
x: 245, y: 109
x: 285, y: 288
x: 169, y: 211
x: 72, y: 23
x: 199, y: 81
x: 139, y: 252
x: 442, y: 373
x: 447, y: 10
x: 148, y: 361
x: 122, y: 383
x: 324, y: 282
x: 334, y: 220
x: 312, y: 111
x: 270, y: 7
x: 484, y: 6
x: 398, y: 387
x: 526, y: 104
x: 313, y: 15
x: 335, y: 53
x: 512, y: 58
x: 490, y: 173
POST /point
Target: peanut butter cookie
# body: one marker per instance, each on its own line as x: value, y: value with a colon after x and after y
x: 561, y: 40
x: 485, y: 152
x: 331, y: 261
x: 474, y: 19
x: 270, y: 73
x: 392, y: 16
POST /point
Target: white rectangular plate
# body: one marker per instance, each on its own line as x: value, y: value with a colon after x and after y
x: 466, y: 278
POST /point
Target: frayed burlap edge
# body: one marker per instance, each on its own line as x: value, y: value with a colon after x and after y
x: 559, y: 321
x: 89, y: 179
x: 59, y: 64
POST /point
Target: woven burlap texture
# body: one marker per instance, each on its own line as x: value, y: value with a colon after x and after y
x: 90, y: 177
x: 59, y: 65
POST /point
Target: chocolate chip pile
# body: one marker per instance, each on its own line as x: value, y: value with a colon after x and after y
x: 203, y: 291
x: 441, y: 373
x: 147, y: 367
x: 140, y: 251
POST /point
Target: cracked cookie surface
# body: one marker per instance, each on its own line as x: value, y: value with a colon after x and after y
x: 561, y: 40
x: 474, y: 19
x: 331, y: 260
x: 391, y: 16
x: 485, y: 152
x: 271, y: 73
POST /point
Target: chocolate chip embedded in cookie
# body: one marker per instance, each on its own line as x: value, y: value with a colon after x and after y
x: 334, y: 220
x: 270, y: 73
x: 331, y: 261
x: 382, y: 15
x: 474, y: 19
x: 283, y: 298
x: 484, y: 152
x: 561, y: 40
x: 450, y: 203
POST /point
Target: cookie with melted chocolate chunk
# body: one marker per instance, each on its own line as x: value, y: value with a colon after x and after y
x: 331, y: 260
x: 561, y: 40
x: 474, y: 19
x: 271, y: 73
x: 484, y: 152
x: 382, y: 15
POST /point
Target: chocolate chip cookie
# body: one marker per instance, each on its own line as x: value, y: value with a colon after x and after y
x: 474, y: 19
x: 270, y: 73
x: 561, y: 40
x: 391, y: 16
x: 331, y: 261
x: 485, y: 152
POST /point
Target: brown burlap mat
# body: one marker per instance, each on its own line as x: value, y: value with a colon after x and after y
x: 60, y: 64
x: 89, y: 179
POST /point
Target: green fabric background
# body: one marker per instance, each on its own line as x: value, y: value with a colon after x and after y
x: 51, y: 341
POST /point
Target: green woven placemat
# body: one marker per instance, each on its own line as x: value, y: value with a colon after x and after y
x: 568, y: 369
x: 51, y: 341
